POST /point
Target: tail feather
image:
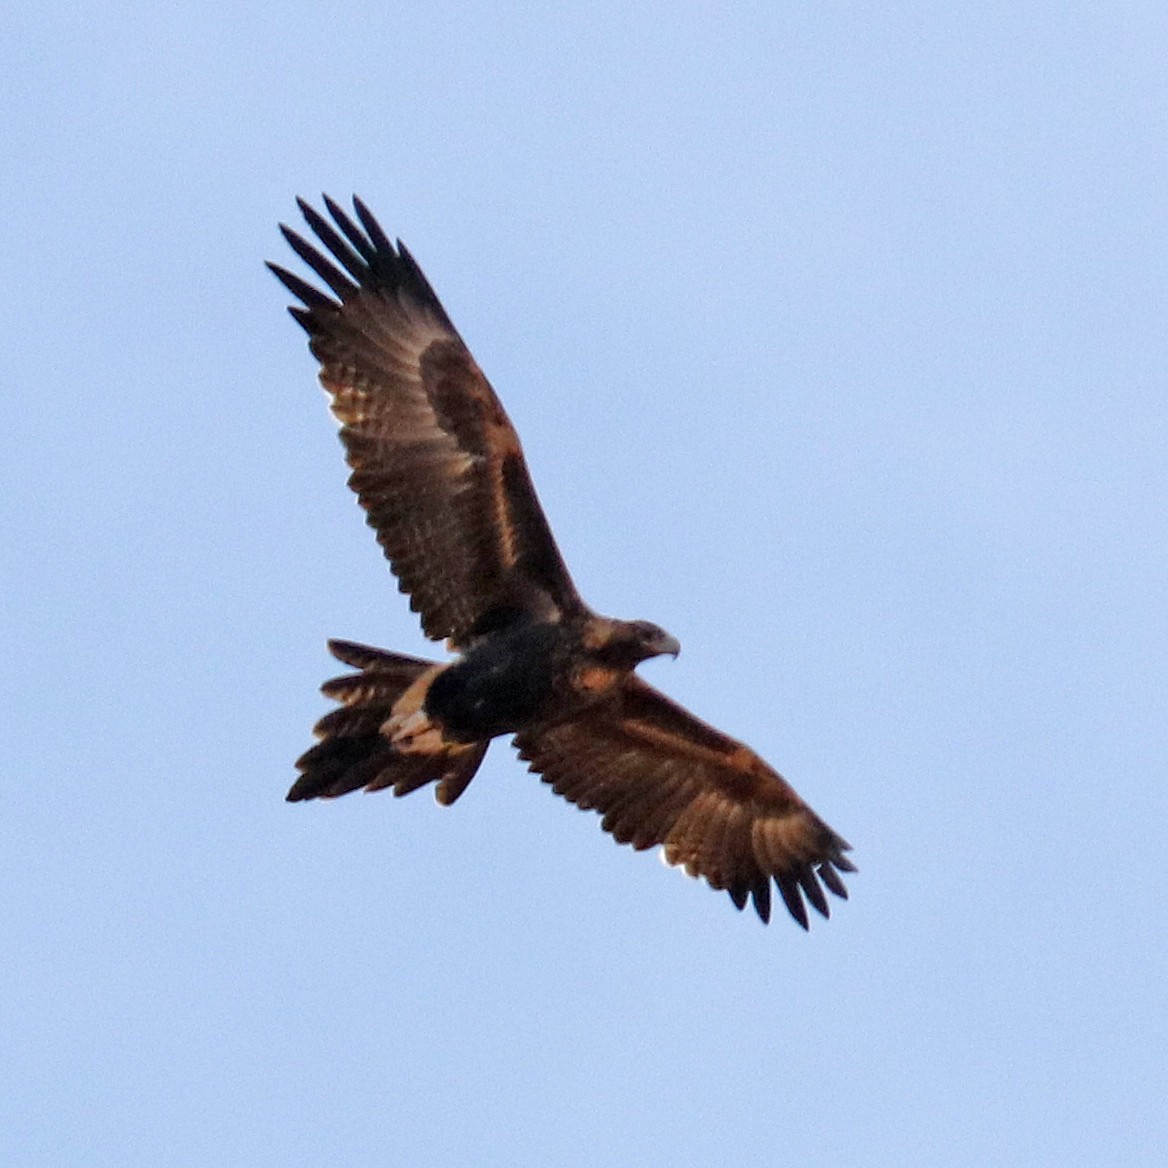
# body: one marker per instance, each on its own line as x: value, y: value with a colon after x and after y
x: 373, y: 660
x: 351, y: 722
x: 353, y: 753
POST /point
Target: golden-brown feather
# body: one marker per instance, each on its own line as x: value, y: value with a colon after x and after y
x: 658, y: 775
x: 436, y: 463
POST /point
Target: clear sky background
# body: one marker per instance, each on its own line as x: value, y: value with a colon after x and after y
x: 835, y: 334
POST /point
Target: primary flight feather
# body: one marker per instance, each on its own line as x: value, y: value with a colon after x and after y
x: 438, y: 468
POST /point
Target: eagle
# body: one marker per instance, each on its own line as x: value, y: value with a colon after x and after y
x: 437, y: 466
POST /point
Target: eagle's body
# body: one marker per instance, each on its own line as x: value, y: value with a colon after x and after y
x: 502, y: 682
x: 439, y: 470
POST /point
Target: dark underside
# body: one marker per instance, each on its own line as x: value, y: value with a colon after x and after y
x: 501, y: 683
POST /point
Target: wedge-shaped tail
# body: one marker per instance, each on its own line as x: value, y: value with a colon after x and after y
x: 354, y: 752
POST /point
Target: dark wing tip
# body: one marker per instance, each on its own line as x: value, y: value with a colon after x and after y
x: 761, y: 895
x: 805, y: 882
x: 831, y: 878
x: 813, y: 892
x: 373, y: 229
x: 833, y: 861
x: 343, y: 288
x: 353, y: 256
x: 350, y: 230
x: 413, y: 281
x: 301, y: 289
x: 788, y: 888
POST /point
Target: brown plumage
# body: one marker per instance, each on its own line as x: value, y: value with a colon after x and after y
x: 438, y: 468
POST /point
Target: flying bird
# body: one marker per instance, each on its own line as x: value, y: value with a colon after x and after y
x: 438, y: 469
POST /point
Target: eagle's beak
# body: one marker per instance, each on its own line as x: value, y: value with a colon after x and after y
x: 668, y: 644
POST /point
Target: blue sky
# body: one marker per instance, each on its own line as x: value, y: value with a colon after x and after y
x: 836, y: 338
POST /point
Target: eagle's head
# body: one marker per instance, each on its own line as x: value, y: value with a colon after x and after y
x: 627, y: 643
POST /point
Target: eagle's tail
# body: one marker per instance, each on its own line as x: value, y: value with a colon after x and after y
x: 354, y: 750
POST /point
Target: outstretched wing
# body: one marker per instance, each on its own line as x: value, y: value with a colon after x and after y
x: 436, y: 463
x: 658, y: 775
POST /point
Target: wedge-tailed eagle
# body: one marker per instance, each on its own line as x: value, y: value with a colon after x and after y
x: 438, y: 468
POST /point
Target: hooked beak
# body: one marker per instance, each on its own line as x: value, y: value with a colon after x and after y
x: 667, y: 644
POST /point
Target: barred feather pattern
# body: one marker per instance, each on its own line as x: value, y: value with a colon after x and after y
x: 353, y: 752
x: 658, y: 776
x: 436, y: 464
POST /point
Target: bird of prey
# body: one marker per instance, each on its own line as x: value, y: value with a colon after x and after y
x: 438, y: 469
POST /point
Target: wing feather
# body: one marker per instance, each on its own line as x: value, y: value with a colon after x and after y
x: 659, y: 776
x: 436, y: 463
x: 351, y: 231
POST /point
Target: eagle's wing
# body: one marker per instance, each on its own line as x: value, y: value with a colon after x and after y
x: 658, y: 775
x: 436, y: 462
